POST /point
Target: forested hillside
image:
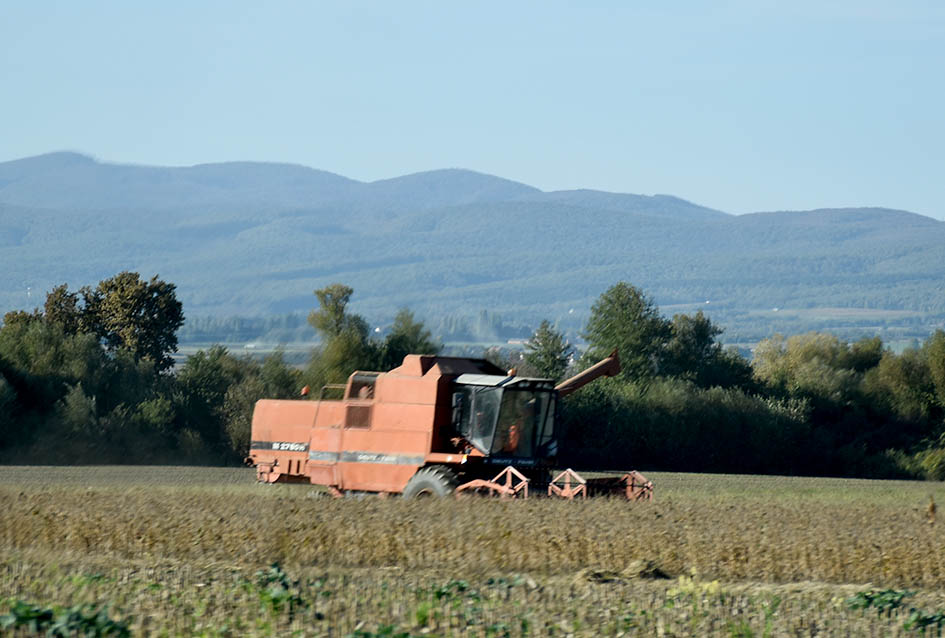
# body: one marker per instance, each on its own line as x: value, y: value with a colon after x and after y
x: 253, y: 240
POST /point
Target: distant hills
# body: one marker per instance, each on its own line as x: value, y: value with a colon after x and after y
x: 252, y: 239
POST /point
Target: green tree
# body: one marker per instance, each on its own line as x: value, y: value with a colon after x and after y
x: 864, y: 354
x: 8, y: 412
x: 43, y: 360
x: 729, y: 369
x: 407, y: 336
x: 903, y: 384
x: 548, y: 353
x: 692, y: 347
x: 274, y: 379
x: 812, y: 365
x: 692, y: 353
x: 62, y: 307
x: 138, y: 316
x: 21, y: 317
x: 332, y: 319
x: 78, y: 413
x: 626, y: 319
x: 202, y: 384
x: 72, y: 402
x: 934, y: 349
x: 858, y: 409
x: 341, y: 355
x: 346, y: 344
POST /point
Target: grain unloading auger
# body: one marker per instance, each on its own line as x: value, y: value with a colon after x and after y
x: 433, y: 426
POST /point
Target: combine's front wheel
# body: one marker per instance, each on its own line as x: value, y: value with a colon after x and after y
x: 435, y: 480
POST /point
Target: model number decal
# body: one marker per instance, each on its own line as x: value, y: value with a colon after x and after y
x: 280, y: 446
x: 289, y: 447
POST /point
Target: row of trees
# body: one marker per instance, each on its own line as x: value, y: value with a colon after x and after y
x: 125, y: 313
x: 808, y: 404
x: 89, y: 378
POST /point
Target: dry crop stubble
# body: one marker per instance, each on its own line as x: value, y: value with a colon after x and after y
x: 848, y: 538
x: 184, y: 542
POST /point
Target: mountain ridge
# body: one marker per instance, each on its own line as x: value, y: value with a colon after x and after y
x: 255, y: 238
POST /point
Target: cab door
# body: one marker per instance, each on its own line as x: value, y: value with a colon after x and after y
x: 323, y: 453
x: 355, y: 465
x: 324, y: 450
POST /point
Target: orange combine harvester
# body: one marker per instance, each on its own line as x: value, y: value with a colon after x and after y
x: 433, y: 426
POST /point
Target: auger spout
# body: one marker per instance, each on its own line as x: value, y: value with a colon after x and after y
x: 606, y: 367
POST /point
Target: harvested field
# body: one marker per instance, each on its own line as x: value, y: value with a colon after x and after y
x: 178, y: 550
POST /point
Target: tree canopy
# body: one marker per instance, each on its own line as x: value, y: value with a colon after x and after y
x: 347, y: 344
x: 693, y: 353
x: 331, y: 319
x: 139, y: 316
x: 548, y: 354
x: 62, y: 307
x: 624, y: 318
x: 406, y: 336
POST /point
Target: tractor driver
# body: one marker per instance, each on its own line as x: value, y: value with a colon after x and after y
x: 521, y: 425
x: 512, y: 436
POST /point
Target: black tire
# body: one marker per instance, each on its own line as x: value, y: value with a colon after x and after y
x: 435, y: 480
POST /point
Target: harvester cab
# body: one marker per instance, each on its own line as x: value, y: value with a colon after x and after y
x: 508, y: 420
x: 432, y: 426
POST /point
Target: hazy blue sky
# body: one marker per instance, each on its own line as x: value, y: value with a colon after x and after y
x: 742, y: 106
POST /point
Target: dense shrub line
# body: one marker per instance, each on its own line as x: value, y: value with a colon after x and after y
x: 815, y: 406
